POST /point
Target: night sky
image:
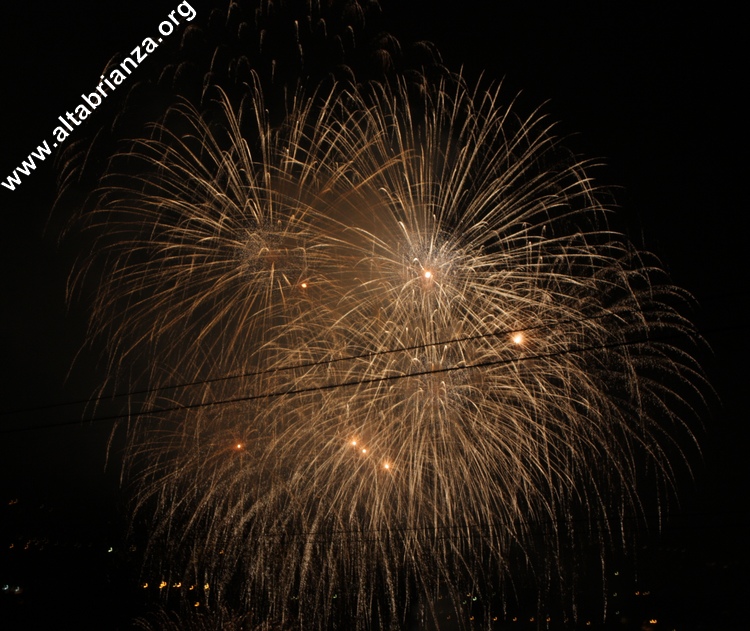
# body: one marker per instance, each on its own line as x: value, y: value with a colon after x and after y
x: 653, y: 93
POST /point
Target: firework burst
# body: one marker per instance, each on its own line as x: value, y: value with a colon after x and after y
x: 438, y: 348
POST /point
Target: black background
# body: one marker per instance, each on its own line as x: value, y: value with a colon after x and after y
x: 655, y: 92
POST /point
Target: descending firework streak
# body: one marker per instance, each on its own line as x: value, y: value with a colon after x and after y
x: 438, y: 352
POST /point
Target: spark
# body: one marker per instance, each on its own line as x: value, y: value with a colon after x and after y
x: 355, y: 189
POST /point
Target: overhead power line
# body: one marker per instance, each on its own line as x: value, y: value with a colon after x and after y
x: 311, y: 364
x: 342, y: 384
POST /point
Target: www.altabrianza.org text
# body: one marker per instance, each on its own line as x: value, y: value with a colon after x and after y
x: 107, y: 85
